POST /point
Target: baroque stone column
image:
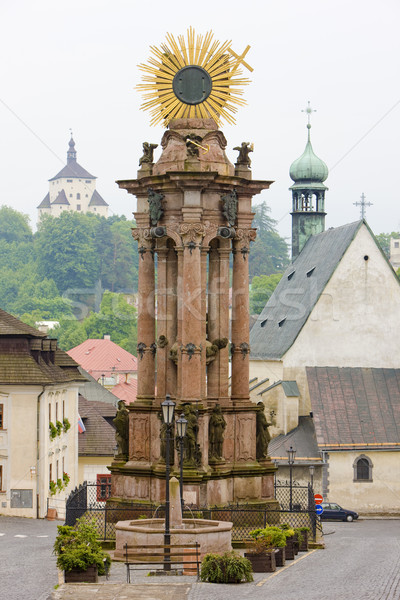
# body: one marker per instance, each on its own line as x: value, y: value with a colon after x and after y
x: 240, y: 315
x: 146, y: 317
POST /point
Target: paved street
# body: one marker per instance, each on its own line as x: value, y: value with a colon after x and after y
x: 361, y: 562
x: 27, y: 567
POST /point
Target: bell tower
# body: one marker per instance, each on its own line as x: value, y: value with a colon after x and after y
x: 308, y: 194
x: 193, y: 214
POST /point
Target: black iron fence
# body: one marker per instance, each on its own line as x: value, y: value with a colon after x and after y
x: 296, y: 508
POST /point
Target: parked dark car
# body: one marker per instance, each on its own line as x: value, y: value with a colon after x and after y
x: 334, y: 511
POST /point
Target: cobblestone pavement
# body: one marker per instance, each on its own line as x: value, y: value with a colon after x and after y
x: 361, y: 562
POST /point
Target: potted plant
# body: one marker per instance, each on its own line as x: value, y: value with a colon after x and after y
x: 229, y: 567
x: 66, y: 425
x: 52, y: 487
x: 52, y: 431
x: 66, y: 478
x: 303, y: 532
x: 289, y: 535
x: 78, y: 552
x: 59, y: 427
x: 262, y: 551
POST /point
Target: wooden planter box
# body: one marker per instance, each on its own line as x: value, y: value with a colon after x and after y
x: 289, y: 550
x: 88, y: 576
x: 304, y: 543
x: 280, y: 557
x: 262, y: 563
x: 296, y: 546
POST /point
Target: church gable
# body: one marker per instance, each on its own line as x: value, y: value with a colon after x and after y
x: 353, y: 323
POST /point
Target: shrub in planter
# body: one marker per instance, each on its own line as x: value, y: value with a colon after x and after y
x: 261, y: 552
x: 77, y: 548
x: 303, y: 531
x: 229, y: 567
x: 52, y: 431
x: 52, y: 487
x: 66, y: 425
x: 289, y: 535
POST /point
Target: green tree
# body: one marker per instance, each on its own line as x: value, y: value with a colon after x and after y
x: 66, y: 252
x: 383, y: 240
x: 116, y: 318
x: 14, y: 226
x: 269, y: 253
x: 69, y: 333
x: 262, y: 288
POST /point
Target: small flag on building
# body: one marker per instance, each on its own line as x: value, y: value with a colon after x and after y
x: 81, y: 427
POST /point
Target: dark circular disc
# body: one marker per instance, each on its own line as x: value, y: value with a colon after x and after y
x: 192, y: 84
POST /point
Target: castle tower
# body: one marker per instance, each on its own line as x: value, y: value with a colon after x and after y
x: 193, y: 214
x: 72, y: 189
x: 308, y: 194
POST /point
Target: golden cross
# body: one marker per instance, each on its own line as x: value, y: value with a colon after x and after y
x: 241, y: 57
x: 202, y: 147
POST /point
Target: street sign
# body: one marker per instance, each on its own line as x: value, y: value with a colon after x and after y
x: 318, y: 498
x: 318, y: 509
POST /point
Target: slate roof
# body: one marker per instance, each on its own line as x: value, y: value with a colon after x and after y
x: 101, y: 356
x: 10, y: 325
x: 296, y: 294
x: 73, y: 169
x: 61, y: 198
x: 45, y: 203
x: 97, y: 200
x: 99, y: 437
x: 302, y: 438
x: 290, y: 388
x: 94, y: 391
x: 355, y: 407
x: 28, y: 357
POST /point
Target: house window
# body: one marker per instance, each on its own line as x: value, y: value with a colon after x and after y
x: 56, y: 469
x: 63, y: 414
x: 1, y: 479
x: 56, y: 411
x: 69, y: 180
x: 78, y: 207
x: 50, y: 472
x: 362, y: 468
x: 49, y: 412
x: 103, y: 487
x: 396, y: 244
x: 88, y: 181
x: 1, y: 419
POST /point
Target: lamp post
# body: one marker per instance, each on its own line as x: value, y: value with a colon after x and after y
x: 168, y: 409
x: 291, y: 454
x: 181, y: 427
x: 312, y: 468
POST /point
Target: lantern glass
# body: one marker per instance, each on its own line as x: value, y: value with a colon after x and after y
x: 291, y: 454
x: 168, y: 409
x: 181, y: 426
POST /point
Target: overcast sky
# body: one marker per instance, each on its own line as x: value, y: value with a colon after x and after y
x: 74, y: 65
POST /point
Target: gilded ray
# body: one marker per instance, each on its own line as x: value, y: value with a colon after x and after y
x: 217, y: 99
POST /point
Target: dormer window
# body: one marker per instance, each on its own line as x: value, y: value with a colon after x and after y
x: 310, y: 272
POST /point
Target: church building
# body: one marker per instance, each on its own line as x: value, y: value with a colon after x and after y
x: 326, y: 351
x: 73, y: 189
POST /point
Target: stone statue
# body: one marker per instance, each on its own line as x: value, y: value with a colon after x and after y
x: 148, y: 152
x: 163, y: 441
x: 263, y: 437
x: 244, y: 150
x: 156, y: 210
x: 216, y: 428
x: 230, y: 206
x: 121, y: 423
x: 192, y: 453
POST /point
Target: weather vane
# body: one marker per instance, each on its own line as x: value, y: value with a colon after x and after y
x: 193, y: 77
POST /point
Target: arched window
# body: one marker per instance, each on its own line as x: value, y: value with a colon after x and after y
x: 362, y: 468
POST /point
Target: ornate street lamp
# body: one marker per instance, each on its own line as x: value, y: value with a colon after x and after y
x: 181, y: 427
x: 168, y: 409
x: 291, y: 454
x: 312, y: 468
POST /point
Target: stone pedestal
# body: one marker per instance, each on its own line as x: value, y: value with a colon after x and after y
x: 189, y: 337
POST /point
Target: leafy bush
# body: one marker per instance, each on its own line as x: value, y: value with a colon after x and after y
x: 269, y: 537
x: 59, y: 427
x: 66, y: 425
x: 53, y: 431
x: 229, y: 567
x: 77, y: 548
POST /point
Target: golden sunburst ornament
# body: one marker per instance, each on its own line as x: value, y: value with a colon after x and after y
x: 197, y: 77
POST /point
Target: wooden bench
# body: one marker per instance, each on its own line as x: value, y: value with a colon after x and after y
x: 183, y: 557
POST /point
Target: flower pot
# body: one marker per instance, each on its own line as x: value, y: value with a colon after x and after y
x: 76, y: 576
x: 280, y: 557
x: 304, y: 543
x: 289, y: 550
x: 262, y: 563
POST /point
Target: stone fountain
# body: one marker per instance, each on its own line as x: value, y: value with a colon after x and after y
x: 212, y: 536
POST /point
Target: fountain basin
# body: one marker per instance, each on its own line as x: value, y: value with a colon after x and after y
x: 212, y: 536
